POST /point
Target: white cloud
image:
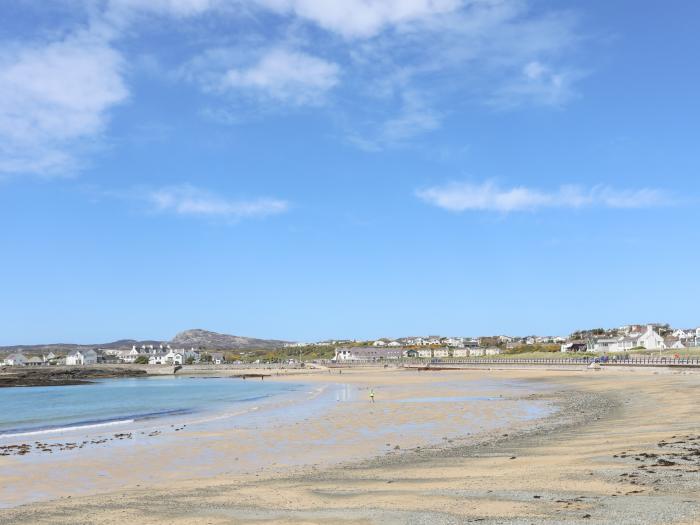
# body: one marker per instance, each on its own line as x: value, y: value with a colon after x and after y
x: 285, y: 75
x: 53, y: 98
x: 487, y: 196
x: 413, y: 118
x: 189, y: 200
x: 361, y: 18
x: 538, y: 84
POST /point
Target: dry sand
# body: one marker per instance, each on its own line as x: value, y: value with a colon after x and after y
x: 622, y: 450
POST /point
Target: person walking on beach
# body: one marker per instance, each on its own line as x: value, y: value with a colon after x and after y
x: 371, y: 395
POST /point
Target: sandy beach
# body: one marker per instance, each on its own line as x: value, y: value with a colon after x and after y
x: 583, y: 446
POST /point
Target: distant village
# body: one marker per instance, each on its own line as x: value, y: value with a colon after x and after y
x: 625, y: 339
x: 651, y: 337
x: 144, y: 354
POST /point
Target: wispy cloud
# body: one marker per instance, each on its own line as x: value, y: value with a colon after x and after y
x: 388, y: 63
x: 285, y: 75
x: 537, y: 84
x: 362, y: 18
x: 55, y: 97
x: 414, y: 118
x: 186, y: 199
x: 487, y: 196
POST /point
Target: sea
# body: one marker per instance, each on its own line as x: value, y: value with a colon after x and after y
x: 33, y: 411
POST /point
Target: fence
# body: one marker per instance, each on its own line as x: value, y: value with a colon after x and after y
x: 579, y: 361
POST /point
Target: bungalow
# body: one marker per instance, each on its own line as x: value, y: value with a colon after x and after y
x: 441, y: 352
x: 460, y: 352
x: 476, y: 352
x: 604, y: 344
x: 82, y: 357
x: 410, y: 353
x: 217, y: 358
x: 17, y: 359
x: 394, y: 344
x: 425, y: 352
x: 494, y: 350
x: 35, y: 361
x: 379, y: 342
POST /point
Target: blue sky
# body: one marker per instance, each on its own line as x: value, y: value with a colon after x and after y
x: 302, y: 169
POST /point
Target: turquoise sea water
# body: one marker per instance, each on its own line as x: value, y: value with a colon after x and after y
x: 42, y: 409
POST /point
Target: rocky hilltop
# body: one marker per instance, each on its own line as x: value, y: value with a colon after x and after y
x: 187, y: 339
x: 212, y: 340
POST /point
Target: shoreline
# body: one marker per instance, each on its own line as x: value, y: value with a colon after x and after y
x: 317, y: 415
x: 602, y: 457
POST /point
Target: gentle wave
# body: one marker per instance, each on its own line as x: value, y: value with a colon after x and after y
x: 83, y: 425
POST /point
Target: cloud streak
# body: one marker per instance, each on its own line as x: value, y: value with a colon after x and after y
x: 487, y: 196
x: 189, y: 200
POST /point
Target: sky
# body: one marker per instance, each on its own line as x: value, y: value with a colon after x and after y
x: 312, y: 169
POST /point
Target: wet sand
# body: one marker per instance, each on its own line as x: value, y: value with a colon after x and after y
x: 621, y: 450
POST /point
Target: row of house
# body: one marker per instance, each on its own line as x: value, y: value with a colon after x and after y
x: 647, y: 338
x: 78, y: 357
x: 372, y: 353
x: 155, y: 356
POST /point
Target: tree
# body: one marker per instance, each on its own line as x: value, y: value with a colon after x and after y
x: 141, y: 360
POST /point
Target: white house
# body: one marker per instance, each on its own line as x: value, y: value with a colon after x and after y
x: 476, y: 352
x: 494, y: 350
x: 157, y: 358
x: 82, y: 357
x: 682, y: 334
x: 606, y: 344
x: 460, y: 352
x: 651, y: 340
x: 17, y: 359
x: 674, y: 344
x: 425, y: 352
x: 441, y: 352
x: 379, y: 342
x: 394, y: 344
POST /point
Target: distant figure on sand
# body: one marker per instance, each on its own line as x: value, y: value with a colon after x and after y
x: 371, y: 395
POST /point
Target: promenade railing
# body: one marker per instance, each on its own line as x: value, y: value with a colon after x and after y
x: 560, y: 361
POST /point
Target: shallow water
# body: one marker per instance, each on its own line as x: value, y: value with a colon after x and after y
x: 110, y: 402
x: 206, y: 427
